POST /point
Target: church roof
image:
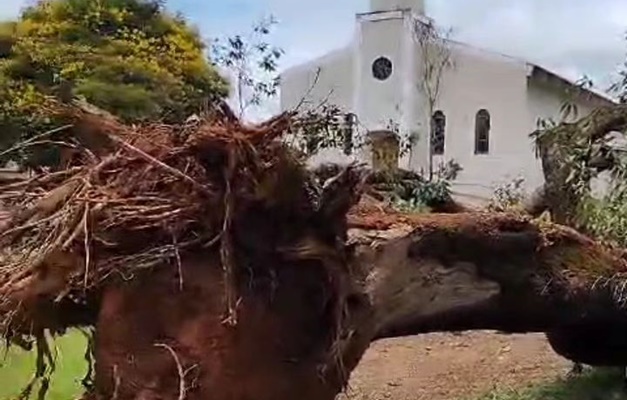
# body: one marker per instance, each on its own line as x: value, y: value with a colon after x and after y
x: 535, y: 71
x: 538, y: 72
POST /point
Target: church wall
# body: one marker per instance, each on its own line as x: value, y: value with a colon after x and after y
x: 333, y: 84
x: 347, y: 80
x: 388, y: 104
x: 480, y: 80
x: 545, y: 100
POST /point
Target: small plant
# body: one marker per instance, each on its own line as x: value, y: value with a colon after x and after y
x: 412, y: 205
x: 253, y: 63
x: 434, y: 191
x: 425, y: 193
x: 508, y: 196
x: 448, y: 171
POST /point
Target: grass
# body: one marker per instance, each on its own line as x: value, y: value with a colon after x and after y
x: 17, y: 366
x: 598, y: 384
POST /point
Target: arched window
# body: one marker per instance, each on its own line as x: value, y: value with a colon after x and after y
x: 482, y: 132
x: 438, y: 132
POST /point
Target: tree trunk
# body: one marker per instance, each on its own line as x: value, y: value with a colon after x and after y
x: 411, y: 274
x: 486, y: 271
x: 599, y: 340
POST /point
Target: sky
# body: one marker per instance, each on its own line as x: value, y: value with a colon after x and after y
x: 571, y: 37
x: 574, y: 37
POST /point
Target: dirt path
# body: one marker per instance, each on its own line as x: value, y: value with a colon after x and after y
x: 450, y: 367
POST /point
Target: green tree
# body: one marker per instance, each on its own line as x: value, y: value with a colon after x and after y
x: 129, y: 57
x: 252, y: 62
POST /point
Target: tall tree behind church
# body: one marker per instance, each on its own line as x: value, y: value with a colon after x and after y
x: 436, y: 58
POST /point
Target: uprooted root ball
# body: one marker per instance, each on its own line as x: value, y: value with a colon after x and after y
x: 157, y: 195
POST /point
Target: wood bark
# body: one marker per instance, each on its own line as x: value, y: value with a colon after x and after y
x: 410, y: 275
x: 598, y: 341
x: 486, y: 271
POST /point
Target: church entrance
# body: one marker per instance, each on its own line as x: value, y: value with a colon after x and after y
x: 385, y: 150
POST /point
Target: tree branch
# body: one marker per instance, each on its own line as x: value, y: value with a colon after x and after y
x: 438, y: 272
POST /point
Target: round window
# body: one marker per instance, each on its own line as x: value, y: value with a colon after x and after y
x: 382, y: 68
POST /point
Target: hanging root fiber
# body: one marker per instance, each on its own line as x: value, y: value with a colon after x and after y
x: 145, y: 198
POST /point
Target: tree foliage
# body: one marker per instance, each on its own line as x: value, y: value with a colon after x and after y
x: 575, y: 153
x: 129, y: 57
x: 434, y: 189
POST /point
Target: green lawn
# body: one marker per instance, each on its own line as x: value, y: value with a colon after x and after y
x: 16, y: 369
x: 599, y: 384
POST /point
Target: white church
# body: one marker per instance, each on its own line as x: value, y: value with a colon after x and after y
x: 454, y: 101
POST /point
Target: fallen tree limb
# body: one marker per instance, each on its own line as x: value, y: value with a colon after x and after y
x: 398, y: 184
x: 457, y: 272
x: 571, y: 154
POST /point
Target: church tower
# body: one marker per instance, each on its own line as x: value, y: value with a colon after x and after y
x: 386, y: 98
x: 416, y: 6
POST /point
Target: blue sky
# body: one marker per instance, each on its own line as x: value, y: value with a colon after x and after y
x: 573, y: 37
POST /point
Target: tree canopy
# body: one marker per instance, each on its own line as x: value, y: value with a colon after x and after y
x: 129, y: 57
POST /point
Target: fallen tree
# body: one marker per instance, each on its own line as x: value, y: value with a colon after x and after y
x: 206, y: 258
x: 439, y: 272
x: 213, y: 265
x: 572, y: 154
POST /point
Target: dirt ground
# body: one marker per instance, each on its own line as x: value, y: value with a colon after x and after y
x: 453, y: 367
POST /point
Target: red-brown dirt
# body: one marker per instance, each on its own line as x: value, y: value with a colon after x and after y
x: 453, y: 367
x: 274, y: 352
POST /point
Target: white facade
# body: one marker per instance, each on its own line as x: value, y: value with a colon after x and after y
x: 515, y: 93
